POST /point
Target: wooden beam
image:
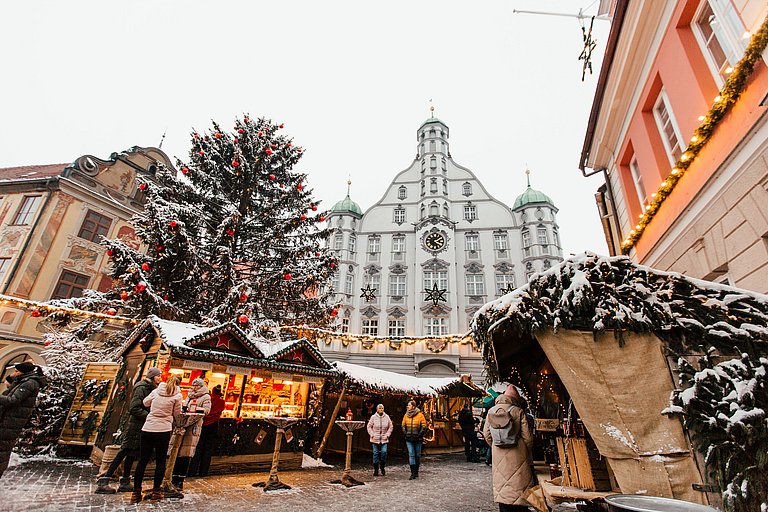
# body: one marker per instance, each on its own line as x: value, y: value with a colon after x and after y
x: 331, y: 420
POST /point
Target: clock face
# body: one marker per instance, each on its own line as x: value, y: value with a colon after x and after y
x: 434, y: 241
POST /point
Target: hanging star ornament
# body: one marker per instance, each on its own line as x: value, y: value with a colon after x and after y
x: 589, y: 46
x: 369, y: 294
x: 506, y: 290
x: 435, y: 294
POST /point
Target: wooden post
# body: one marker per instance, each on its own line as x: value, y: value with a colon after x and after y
x: 348, y: 461
x: 334, y: 414
x: 273, y: 480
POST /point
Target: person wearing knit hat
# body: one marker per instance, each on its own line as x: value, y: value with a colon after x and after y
x: 131, y: 438
x: 198, y: 401
x: 16, y: 406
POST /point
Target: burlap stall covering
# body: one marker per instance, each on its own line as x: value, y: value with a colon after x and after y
x: 619, y: 393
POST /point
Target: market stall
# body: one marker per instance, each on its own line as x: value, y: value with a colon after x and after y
x: 596, y: 343
x: 259, y: 379
x: 358, y: 389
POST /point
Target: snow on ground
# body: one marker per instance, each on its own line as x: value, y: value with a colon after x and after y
x: 309, y: 462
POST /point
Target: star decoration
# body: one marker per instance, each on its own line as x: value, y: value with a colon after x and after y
x: 369, y: 294
x: 223, y: 341
x: 298, y: 355
x: 589, y: 46
x: 436, y: 295
x: 507, y: 289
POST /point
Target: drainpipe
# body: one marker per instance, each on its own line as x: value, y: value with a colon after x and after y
x: 51, y: 185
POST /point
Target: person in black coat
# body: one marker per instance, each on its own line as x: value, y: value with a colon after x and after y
x: 129, y: 447
x: 16, y: 406
x: 467, y: 424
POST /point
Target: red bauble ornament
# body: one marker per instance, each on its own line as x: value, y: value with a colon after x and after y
x: 282, y: 125
x: 184, y: 170
x: 159, y: 248
x: 143, y: 187
x: 235, y: 163
x: 288, y: 145
x: 110, y: 252
x: 317, y: 254
x: 111, y: 311
x: 243, y: 297
x: 274, y: 146
x: 236, y: 141
x: 141, y: 286
x: 195, y: 136
x: 287, y: 277
x: 299, y: 187
x: 201, y: 152
x: 314, y: 208
x: 165, y: 297
x: 124, y: 295
x: 335, y: 312
x: 231, y: 232
x: 47, y: 343
x: 145, y: 266
x: 173, y: 224
x: 240, y: 130
x: 261, y: 134
x: 332, y: 265
x: 271, y: 177
x: 36, y: 313
x: 245, y: 119
x: 218, y: 135
x: 268, y: 152
x: 299, y: 150
x: 205, y: 138
x: 303, y: 217
x: 322, y: 218
x: 243, y: 319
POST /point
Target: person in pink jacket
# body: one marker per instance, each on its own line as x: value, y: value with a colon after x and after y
x: 164, y: 402
x: 380, y: 428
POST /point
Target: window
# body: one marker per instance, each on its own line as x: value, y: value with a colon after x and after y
x: 433, y: 162
x: 434, y: 210
x: 504, y: 282
x: 335, y: 282
x: 374, y: 244
x: 475, y: 285
x: 344, y: 328
x: 466, y: 189
x: 541, y: 235
x: 398, y: 243
x: 94, y: 226
x: 27, y: 210
x: 433, y: 186
x: 402, y: 192
x: 5, y: 264
x: 470, y: 212
x: 445, y: 211
x: 396, y: 328
x: 397, y: 285
x: 445, y: 187
x: 439, y: 277
x: 718, y: 30
x: 642, y: 196
x: 423, y: 187
x: 349, y: 283
x: 423, y: 210
x: 556, y: 237
x: 432, y: 146
x: 374, y: 280
x: 527, y: 243
x: 500, y: 242
x: 370, y: 326
x: 399, y: 215
x: 435, y: 326
x: 442, y: 160
x: 670, y: 134
x: 472, y: 243
x: 70, y: 285
x: 338, y: 242
x: 352, y: 243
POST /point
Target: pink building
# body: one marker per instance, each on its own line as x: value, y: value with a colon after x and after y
x: 679, y: 130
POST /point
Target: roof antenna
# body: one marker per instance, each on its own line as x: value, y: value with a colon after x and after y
x: 349, y: 184
x: 162, y: 139
x: 431, y: 109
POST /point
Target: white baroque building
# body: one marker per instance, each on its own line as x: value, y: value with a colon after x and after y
x: 436, y: 228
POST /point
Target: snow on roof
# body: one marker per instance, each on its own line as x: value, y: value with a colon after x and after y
x: 597, y: 292
x: 176, y: 333
x: 269, y: 349
x: 381, y: 380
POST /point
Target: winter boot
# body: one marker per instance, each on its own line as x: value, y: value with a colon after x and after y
x: 413, y: 471
x: 418, y: 463
x: 136, y: 496
x: 376, y: 469
x: 125, y: 485
x: 381, y: 466
x: 102, y: 486
x: 176, y: 493
x: 178, y: 482
x: 156, y: 495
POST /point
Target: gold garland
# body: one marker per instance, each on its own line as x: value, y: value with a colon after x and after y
x: 42, y: 307
x: 434, y: 344
x: 730, y: 92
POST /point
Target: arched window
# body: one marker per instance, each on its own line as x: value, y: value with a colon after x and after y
x: 466, y: 188
x: 402, y: 192
x: 445, y: 211
x: 433, y: 210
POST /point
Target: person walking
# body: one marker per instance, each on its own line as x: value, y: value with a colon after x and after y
x: 129, y: 446
x: 507, y: 431
x: 16, y: 406
x: 467, y: 424
x: 164, y: 403
x: 380, y: 428
x: 199, y: 401
x: 201, y: 462
x: 414, y: 425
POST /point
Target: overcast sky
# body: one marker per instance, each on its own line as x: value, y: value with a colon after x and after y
x: 351, y: 81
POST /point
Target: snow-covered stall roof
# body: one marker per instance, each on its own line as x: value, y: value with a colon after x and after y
x: 612, y: 293
x: 375, y: 380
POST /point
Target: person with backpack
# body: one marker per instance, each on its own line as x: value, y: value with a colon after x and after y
x: 414, y: 426
x: 507, y: 431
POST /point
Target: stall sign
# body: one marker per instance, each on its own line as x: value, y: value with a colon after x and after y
x: 238, y: 370
x: 161, y: 362
x: 313, y: 380
x: 282, y: 376
x: 547, y: 425
x: 197, y: 365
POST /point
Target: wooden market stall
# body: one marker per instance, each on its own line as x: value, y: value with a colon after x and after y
x: 360, y: 389
x: 258, y: 379
x: 595, y: 343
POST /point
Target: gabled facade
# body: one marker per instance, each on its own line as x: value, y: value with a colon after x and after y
x: 52, y: 218
x: 686, y: 188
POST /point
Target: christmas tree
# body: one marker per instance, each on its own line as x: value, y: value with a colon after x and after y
x: 235, y: 237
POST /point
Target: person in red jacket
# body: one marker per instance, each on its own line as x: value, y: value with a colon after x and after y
x: 201, y: 462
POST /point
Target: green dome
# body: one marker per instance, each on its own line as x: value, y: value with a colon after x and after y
x: 531, y: 196
x: 347, y: 205
x: 432, y: 120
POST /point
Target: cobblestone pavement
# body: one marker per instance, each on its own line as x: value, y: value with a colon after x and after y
x: 445, y: 483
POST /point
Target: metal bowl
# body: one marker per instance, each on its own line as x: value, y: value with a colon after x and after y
x: 639, y: 503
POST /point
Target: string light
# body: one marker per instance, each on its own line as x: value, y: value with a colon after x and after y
x: 6, y: 300
x: 730, y: 92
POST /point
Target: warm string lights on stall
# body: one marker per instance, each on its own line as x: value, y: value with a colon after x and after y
x: 546, y: 385
x: 729, y: 94
x: 39, y: 308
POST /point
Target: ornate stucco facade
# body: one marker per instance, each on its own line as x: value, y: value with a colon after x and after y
x: 433, y: 249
